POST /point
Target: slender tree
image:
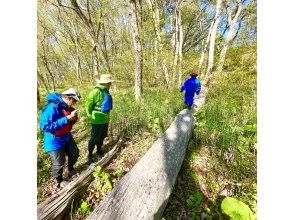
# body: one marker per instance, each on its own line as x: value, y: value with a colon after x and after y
x: 212, y: 38
x: 135, y: 25
x: 231, y: 33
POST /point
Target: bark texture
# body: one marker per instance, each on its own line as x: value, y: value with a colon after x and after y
x: 144, y: 192
x: 135, y: 21
x: 212, y: 37
x: 58, y: 205
x: 230, y: 35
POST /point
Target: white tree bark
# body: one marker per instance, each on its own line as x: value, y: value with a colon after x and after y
x: 178, y: 44
x: 78, y: 60
x: 230, y: 35
x: 180, y: 47
x: 212, y: 38
x: 134, y: 6
x: 159, y: 55
x: 175, y: 44
x: 144, y: 192
x: 204, y: 50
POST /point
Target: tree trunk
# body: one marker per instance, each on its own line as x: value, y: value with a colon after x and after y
x: 78, y: 60
x: 144, y: 192
x: 45, y: 62
x: 230, y: 35
x: 203, y: 52
x: 95, y: 60
x: 159, y: 58
x: 57, y: 206
x: 180, y: 48
x: 78, y: 63
x: 222, y: 57
x: 137, y: 47
x: 49, y: 71
x: 212, y: 38
x: 176, y: 45
x: 41, y: 78
x: 106, y: 57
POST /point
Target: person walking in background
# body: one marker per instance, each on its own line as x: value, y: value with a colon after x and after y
x: 191, y: 86
x: 56, y: 121
x: 98, y: 107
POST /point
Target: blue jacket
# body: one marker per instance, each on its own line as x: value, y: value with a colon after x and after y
x: 191, y: 86
x: 53, y: 119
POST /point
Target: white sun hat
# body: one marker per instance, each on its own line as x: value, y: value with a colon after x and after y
x: 105, y: 78
x: 72, y: 93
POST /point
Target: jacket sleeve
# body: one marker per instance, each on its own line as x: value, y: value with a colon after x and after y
x: 93, y: 97
x: 48, y: 122
x: 198, y: 86
x: 183, y: 87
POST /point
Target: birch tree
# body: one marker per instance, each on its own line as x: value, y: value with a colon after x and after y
x: 92, y: 25
x: 135, y: 25
x: 212, y: 38
x: 205, y: 47
x: 232, y: 21
x: 160, y: 61
x: 177, y: 43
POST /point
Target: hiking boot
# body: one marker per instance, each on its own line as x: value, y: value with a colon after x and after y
x: 100, y: 154
x: 60, y: 182
x: 89, y: 161
x: 63, y: 183
x: 72, y: 173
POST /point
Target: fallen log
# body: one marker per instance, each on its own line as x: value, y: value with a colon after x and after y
x: 56, y: 206
x: 143, y: 192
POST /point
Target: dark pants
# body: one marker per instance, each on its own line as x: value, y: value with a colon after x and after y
x: 58, y: 157
x: 98, y: 133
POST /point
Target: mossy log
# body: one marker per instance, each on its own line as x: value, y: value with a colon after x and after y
x: 144, y: 192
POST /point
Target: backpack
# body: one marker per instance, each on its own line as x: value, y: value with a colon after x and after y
x: 106, y: 104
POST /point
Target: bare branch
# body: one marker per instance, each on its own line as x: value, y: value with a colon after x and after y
x: 240, y: 7
x: 229, y: 14
x: 81, y: 6
x: 65, y: 6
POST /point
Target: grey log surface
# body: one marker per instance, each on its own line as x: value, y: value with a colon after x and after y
x: 144, y: 192
x: 56, y: 206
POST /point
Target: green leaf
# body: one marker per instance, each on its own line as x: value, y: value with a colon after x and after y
x: 98, y: 169
x: 250, y: 128
x: 84, y: 208
x: 236, y: 210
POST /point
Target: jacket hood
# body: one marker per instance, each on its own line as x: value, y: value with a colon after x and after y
x: 55, y: 98
x: 102, y: 87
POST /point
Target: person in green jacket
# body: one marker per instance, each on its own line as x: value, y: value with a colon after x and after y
x: 98, y: 107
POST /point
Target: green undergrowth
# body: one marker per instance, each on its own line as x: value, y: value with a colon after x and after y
x: 154, y: 113
x: 227, y: 125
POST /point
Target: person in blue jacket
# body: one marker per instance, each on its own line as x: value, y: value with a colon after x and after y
x: 56, y: 121
x: 191, y: 86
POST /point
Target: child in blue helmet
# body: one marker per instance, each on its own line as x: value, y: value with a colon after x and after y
x: 191, y: 86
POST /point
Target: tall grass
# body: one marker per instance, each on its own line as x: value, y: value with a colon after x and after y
x: 227, y: 124
x: 154, y: 113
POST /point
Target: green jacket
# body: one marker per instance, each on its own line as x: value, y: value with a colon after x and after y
x: 93, y: 103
